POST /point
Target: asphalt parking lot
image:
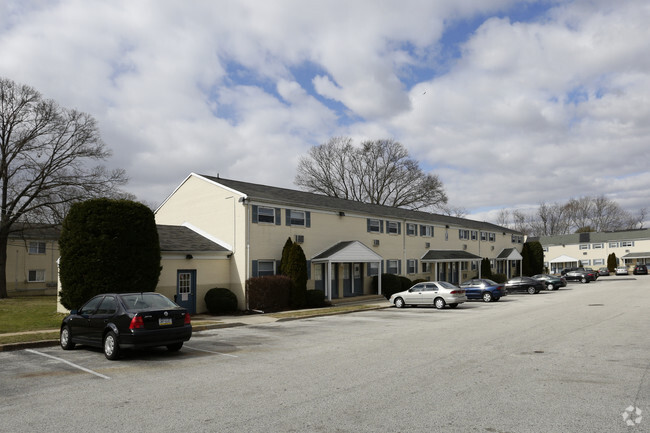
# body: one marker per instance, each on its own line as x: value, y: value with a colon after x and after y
x: 572, y: 360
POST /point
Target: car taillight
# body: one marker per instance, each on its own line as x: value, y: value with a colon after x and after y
x: 137, y: 322
x: 457, y: 292
x: 188, y: 319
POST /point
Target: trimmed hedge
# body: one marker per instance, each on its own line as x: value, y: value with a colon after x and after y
x: 220, y: 300
x: 269, y: 294
x: 499, y: 278
x: 315, y: 299
x: 391, y: 283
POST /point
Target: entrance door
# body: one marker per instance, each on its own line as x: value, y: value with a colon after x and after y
x: 347, y: 280
x: 357, y: 288
x: 186, y: 290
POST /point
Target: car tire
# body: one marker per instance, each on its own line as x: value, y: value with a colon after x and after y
x: 175, y: 347
x: 487, y: 297
x: 439, y: 303
x: 531, y: 290
x: 583, y: 280
x: 111, y: 346
x: 399, y: 303
x: 454, y: 305
x: 550, y: 286
x: 65, y: 339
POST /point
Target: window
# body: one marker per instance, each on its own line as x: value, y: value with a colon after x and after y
x: 426, y: 231
x: 627, y: 243
x: 586, y: 262
x: 613, y: 244
x: 393, y: 227
x: 318, y: 272
x: 492, y: 237
x: 426, y: 268
x: 516, y: 239
x: 265, y: 215
x: 37, y: 248
x: 545, y: 249
x: 375, y: 226
x: 474, y: 235
x: 392, y: 267
x: 411, y: 229
x: 297, y: 218
x: 597, y: 246
x: 584, y: 246
x: 373, y: 268
x: 411, y: 266
x: 36, y: 276
x: 463, y: 266
x: 484, y: 236
x: 108, y: 306
x: 265, y: 267
x: 463, y: 234
x: 599, y: 262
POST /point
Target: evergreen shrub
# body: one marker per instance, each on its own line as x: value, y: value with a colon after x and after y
x: 220, y: 300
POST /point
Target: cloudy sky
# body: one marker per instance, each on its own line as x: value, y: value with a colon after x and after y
x: 510, y: 102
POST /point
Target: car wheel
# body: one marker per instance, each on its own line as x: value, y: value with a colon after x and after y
x: 454, y: 305
x: 65, y: 340
x: 487, y: 297
x: 399, y: 303
x: 496, y: 298
x: 175, y: 347
x: 583, y: 280
x: 549, y: 286
x: 439, y: 303
x: 111, y: 346
x: 532, y: 290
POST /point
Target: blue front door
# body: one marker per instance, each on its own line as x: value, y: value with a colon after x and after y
x: 186, y: 290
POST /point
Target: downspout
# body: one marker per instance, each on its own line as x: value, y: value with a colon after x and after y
x: 244, y: 200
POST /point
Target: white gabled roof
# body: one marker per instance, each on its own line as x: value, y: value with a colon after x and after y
x: 564, y: 259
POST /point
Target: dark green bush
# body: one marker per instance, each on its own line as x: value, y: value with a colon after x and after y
x: 405, y: 283
x: 220, y: 300
x: 499, y: 278
x: 390, y: 284
x: 315, y: 299
x: 269, y: 293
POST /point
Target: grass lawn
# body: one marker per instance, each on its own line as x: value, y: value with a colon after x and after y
x: 29, y: 313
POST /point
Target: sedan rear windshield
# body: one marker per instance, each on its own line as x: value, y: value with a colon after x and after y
x: 146, y: 301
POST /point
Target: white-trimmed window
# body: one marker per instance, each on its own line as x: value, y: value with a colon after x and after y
x: 374, y: 225
x: 584, y: 246
x: 474, y: 235
x: 36, y: 275
x: 392, y: 227
x: 37, y: 247
x: 613, y: 244
x: 265, y: 268
x: 463, y: 234
x: 411, y: 266
x: 373, y: 269
x: 297, y: 217
x: 392, y: 267
x: 596, y: 246
x: 545, y: 249
x: 426, y: 231
x: 599, y: 262
x: 586, y: 262
x: 492, y: 237
x: 318, y: 272
x: 484, y: 236
x: 266, y: 215
x: 411, y: 229
x: 627, y: 243
x: 426, y: 268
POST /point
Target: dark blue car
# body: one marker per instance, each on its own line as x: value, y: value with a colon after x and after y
x: 482, y: 288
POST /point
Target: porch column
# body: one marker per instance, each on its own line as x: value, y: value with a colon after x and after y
x: 328, y: 281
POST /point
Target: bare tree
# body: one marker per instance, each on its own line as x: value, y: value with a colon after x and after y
x: 45, y: 152
x: 378, y: 172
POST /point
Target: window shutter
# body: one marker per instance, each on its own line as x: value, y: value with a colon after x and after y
x: 308, y: 219
x: 381, y: 226
x: 254, y: 214
x: 368, y: 225
x: 277, y: 267
x: 399, y: 228
x: 309, y: 269
x: 416, y: 266
x: 278, y: 216
x: 288, y: 217
x: 399, y: 267
x: 254, y: 268
x: 421, y: 230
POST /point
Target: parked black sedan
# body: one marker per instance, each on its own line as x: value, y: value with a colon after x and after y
x: 579, y: 275
x: 127, y: 320
x: 524, y: 284
x: 551, y: 281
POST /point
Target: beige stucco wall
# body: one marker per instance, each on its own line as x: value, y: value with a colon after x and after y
x: 210, y: 272
x: 20, y: 262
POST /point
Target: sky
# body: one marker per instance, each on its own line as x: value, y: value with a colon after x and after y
x: 510, y: 103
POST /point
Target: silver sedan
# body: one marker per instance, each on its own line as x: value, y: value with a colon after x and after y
x: 437, y: 293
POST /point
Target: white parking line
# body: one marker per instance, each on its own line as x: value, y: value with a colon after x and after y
x: 68, y: 362
x: 209, y: 351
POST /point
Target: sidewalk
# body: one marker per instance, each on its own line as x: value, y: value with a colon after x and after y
x: 203, y: 322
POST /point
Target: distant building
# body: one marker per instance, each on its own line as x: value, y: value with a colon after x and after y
x: 631, y: 247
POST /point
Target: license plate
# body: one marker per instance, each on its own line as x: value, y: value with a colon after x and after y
x: 165, y: 321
